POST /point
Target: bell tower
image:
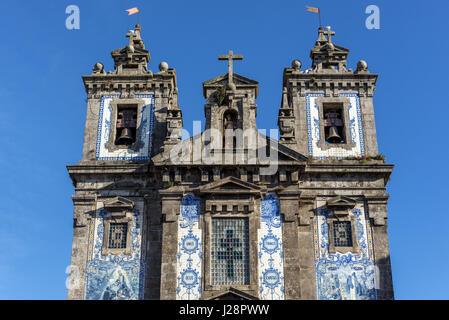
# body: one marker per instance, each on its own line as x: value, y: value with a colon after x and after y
x: 327, y: 110
x: 230, y: 107
x: 327, y: 114
x: 132, y: 114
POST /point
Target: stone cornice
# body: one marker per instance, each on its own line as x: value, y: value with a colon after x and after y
x: 331, y: 76
x: 113, y: 82
x: 281, y: 163
x: 103, y: 168
x: 363, y: 83
x: 348, y: 168
x: 83, y: 198
x: 377, y: 199
x: 162, y: 76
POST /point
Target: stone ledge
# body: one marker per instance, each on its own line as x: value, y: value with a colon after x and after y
x: 103, y: 167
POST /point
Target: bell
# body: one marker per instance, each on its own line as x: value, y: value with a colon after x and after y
x: 126, y: 137
x: 334, y: 137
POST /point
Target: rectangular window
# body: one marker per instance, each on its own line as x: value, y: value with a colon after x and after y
x: 117, y: 235
x: 230, y: 251
x: 342, y: 234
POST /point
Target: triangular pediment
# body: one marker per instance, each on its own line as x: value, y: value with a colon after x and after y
x: 336, y: 49
x: 238, y: 80
x: 223, y: 79
x: 230, y: 185
x: 341, y: 201
x: 286, y: 156
x: 232, y: 294
x: 126, y: 50
x: 118, y: 203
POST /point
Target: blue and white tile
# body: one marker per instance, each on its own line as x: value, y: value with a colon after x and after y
x: 349, y: 276
x: 144, y: 134
x: 355, y: 124
x: 190, y: 247
x: 115, y: 277
x: 270, y: 251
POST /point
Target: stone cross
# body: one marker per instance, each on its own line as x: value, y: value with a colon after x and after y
x: 230, y: 57
x: 131, y: 35
x: 329, y: 34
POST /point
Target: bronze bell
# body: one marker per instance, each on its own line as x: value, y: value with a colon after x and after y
x: 333, y: 137
x: 126, y: 137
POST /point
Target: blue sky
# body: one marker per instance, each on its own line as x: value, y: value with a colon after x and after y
x: 43, y: 110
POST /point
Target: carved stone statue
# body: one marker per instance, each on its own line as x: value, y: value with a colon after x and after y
x: 229, y: 126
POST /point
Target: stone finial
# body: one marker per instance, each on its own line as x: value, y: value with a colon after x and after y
x: 98, y: 68
x: 362, y: 66
x: 321, y: 38
x: 296, y: 64
x: 163, y: 66
x: 137, y: 30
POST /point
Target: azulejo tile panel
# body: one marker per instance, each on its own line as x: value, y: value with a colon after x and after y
x: 270, y: 251
x: 144, y: 134
x: 190, y: 250
x: 349, y: 276
x: 115, y: 277
x: 355, y: 126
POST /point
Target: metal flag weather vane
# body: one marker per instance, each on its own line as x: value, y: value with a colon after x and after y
x: 316, y: 10
x: 134, y: 11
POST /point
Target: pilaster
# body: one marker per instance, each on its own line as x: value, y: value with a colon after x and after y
x: 289, y: 211
x: 171, y: 206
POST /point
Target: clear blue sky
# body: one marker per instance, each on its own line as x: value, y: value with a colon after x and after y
x: 43, y: 111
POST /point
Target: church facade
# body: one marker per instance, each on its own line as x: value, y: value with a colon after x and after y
x: 232, y: 212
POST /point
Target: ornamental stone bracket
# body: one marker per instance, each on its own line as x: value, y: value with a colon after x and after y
x: 305, y: 215
x: 84, y: 209
x: 171, y: 204
x: 289, y: 204
x: 306, y: 208
x: 377, y: 209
